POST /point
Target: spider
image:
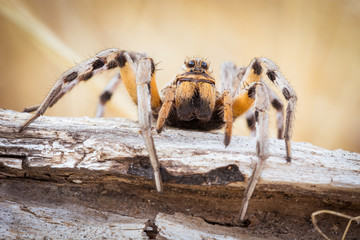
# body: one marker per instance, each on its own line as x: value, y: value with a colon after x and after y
x: 190, y: 100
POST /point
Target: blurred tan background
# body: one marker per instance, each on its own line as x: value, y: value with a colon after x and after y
x: 315, y: 43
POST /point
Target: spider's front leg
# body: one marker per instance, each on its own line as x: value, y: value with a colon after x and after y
x: 262, y: 104
x: 239, y: 78
x: 277, y: 104
x: 134, y: 68
x: 69, y: 79
x: 257, y: 93
x: 143, y: 81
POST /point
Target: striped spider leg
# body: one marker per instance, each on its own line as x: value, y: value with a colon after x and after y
x: 252, y: 97
x: 231, y: 78
x: 138, y: 74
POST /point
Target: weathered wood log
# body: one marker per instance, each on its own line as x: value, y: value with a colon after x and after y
x: 115, y: 145
x: 39, y: 222
x: 169, y: 227
x: 103, y: 164
x: 69, y: 222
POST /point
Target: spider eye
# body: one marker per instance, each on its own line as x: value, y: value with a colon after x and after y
x: 191, y: 63
x: 204, y: 65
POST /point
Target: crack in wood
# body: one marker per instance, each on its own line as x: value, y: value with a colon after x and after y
x: 218, y: 176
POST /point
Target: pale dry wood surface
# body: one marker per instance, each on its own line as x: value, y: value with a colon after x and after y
x: 112, y: 144
x: 69, y: 222
x: 39, y: 222
x: 85, y: 152
x: 195, y: 228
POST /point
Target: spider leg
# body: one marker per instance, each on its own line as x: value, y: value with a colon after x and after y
x: 56, y: 98
x: 262, y: 104
x: 44, y: 105
x: 31, y: 109
x: 230, y: 78
x: 138, y: 74
x: 236, y: 77
x: 252, y: 91
x: 107, y: 93
x: 235, y: 97
x: 228, y: 116
x: 274, y: 74
x: 238, y: 81
x: 128, y: 63
x: 141, y: 87
x: 279, y: 107
x: 169, y: 98
x: 81, y: 72
x: 250, y: 121
x: 105, y: 60
x: 143, y: 81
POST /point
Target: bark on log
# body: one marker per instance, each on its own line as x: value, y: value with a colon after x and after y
x: 109, y: 155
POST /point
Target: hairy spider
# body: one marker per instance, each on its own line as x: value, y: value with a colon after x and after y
x: 190, y: 100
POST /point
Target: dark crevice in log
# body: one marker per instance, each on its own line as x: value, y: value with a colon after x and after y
x: 151, y: 230
x: 219, y: 176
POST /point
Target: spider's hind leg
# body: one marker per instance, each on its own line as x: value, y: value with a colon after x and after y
x: 143, y: 81
x: 279, y: 107
x: 274, y: 74
x: 239, y: 78
x: 129, y: 62
x: 106, y: 94
x: 138, y: 75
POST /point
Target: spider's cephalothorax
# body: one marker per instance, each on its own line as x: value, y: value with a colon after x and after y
x: 195, y: 91
x: 190, y: 100
x: 196, y: 101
